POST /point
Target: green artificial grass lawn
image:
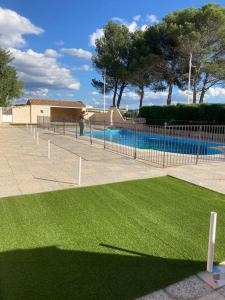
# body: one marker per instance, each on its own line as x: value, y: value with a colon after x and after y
x: 114, y: 241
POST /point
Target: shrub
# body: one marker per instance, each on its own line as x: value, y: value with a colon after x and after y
x: 182, y: 113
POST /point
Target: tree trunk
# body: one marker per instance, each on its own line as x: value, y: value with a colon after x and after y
x: 115, y: 93
x: 142, y: 93
x: 170, y: 92
x: 201, y: 100
x: 120, y: 94
x: 203, y: 91
x: 195, y: 90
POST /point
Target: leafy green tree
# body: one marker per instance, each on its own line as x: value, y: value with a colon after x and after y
x: 10, y: 86
x: 163, y: 41
x: 113, y: 57
x: 201, y: 32
x: 143, y: 66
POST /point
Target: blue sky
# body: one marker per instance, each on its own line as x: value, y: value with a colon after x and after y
x: 52, y: 42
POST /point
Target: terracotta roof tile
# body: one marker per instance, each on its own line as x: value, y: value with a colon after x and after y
x: 55, y: 102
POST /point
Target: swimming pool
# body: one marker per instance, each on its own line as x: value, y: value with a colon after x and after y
x: 143, y: 140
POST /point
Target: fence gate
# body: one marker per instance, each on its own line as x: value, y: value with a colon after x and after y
x: 7, y: 115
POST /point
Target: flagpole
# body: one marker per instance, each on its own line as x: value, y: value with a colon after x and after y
x: 104, y: 87
x: 189, y: 79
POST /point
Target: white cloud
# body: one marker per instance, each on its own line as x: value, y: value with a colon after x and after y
x: 52, y: 53
x: 152, y: 19
x: 144, y: 27
x: 12, y: 28
x: 94, y: 93
x: 80, y: 53
x: 137, y: 18
x: 36, y: 93
x: 95, y: 35
x: 83, y: 68
x: 216, y: 92
x: 132, y: 26
x: 117, y: 19
x: 41, y: 71
x: 148, y: 95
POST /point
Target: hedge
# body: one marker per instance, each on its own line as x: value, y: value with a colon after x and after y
x: 181, y: 113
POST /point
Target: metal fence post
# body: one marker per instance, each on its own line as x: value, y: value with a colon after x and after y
x: 76, y: 130
x: 79, y: 171
x: 104, y: 134
x: 212, y: 239
x: 38, y: 138
x: 64, y: 129
x: 90, y: 132
x: 164, y: 145
x: 49, y: 149
x: 198, y: 148
x: 135, y: 141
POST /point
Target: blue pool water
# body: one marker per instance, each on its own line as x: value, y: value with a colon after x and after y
x: 153, y: 141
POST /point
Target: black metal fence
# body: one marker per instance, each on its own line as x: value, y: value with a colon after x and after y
x: 166, y: 145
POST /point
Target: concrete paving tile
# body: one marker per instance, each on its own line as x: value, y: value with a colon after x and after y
x: 8, y: 184
x: 221, y: 291
x: 9, y: 190
x: 212, y: 296
x: 159, y: 295
x: 99, y: 166
x: 30, y: 188
x: 190, y: 288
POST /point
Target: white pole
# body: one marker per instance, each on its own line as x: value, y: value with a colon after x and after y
x: 104, y: 87
x: 37, y: 138
x: 189, y: 79
x: 212, y: 238
x: 79, y: 171
x: 34, y: 133
x: 49, y: 149
x: 31, y: 129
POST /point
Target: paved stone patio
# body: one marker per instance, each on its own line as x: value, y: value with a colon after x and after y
x: 25, y: 168
x: 192, y: 288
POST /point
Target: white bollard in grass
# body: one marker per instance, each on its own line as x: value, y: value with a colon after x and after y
x: 212, y: 239
x: 34, y: 133
x: 37, y: 138
x: 79, y: 171
x: 49, y: 149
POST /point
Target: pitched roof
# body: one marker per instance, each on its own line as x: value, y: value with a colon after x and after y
x: 55, y: 103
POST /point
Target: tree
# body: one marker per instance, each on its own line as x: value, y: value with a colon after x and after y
x: 10, y: 86
x: 113, y: 57
x: 143, y: 66
x: 163, y: 41
x: 202, y: 33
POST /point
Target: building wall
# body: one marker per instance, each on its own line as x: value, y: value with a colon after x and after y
x: 61, y: 114
x: 29, y: 113
x: 21, y: 114
x: 112, y: 115
x: 39, y: 110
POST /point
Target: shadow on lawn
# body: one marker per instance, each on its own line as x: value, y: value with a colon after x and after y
x: 53, y: 273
